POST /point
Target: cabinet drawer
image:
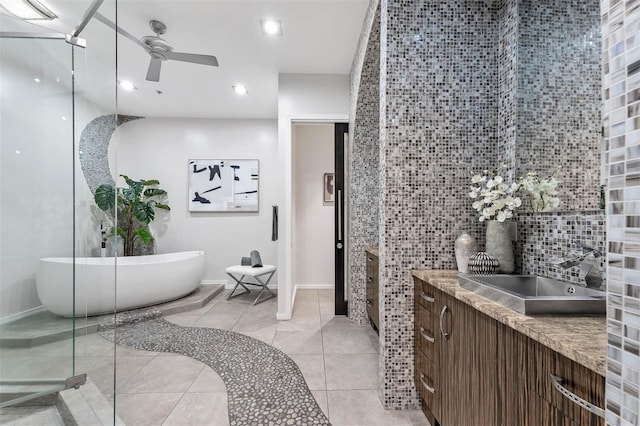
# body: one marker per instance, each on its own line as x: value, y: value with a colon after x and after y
x: 372, y: 264
x: 426, y: 334
x: 426, y: 295
x: 426, y: 380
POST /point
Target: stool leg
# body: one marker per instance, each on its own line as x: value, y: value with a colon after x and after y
x: 264, y: 287
x: 238, y: 283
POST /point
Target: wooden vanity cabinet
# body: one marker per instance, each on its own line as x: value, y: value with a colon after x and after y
x: 526, y: 366
x: 372, y: 288
x: 482, y: 372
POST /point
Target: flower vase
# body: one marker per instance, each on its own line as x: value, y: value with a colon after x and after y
x: 465, y: 247
x: 499, y: 245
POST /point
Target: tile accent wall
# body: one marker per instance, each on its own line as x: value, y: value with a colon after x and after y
x: 547, y: 116
x: 559, y: 124
x: 438, y: 124
x: 441, y: 119
x: 507, y: 85
x: 621, y: 91
x: 365, y: 165
x: 545, y: 236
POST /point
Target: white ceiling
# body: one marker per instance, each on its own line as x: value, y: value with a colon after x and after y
x: 319, y: 36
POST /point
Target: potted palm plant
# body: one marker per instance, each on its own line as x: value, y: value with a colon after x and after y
x: 134, y: 207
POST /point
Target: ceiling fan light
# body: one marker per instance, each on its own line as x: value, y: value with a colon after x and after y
x: 240, y: 89
x: 271, y: 27
x: 26, y: 9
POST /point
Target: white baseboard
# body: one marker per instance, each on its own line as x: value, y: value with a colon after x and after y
x: 214, y: 282
x: 315, y: 286
x: 293, y: 297
x: 283, y: 317
x: 23, y: 314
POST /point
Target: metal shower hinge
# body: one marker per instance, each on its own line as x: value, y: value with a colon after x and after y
x: 75, y: 381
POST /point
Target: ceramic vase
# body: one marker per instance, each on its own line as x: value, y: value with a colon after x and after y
x: 466, y: 246
x: 499, y: 245
x: 483, y: 264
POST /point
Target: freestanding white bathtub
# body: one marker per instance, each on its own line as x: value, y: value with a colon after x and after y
x: 135, y: 282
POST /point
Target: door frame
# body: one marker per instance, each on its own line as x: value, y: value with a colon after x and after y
x: 286, y: 296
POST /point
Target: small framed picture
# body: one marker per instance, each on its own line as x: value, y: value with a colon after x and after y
x: 329, y: 186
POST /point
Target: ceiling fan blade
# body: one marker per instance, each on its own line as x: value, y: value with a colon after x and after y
x: 153, y: 73
x: 113, y: 26
x: 193, y: 58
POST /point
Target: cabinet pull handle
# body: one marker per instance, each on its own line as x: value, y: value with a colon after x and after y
x: 426, y: 386
x: 370, y: 279
x: 370, y: 259
x: 369, y: 303
x: 445, y: 334
x: 427, y: 298
x: 557, y: 383
x: 426, y: 337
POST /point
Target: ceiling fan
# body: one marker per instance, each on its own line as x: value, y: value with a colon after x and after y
x: 159, y: 49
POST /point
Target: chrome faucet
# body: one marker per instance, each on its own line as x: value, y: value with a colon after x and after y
x: 585, y: 259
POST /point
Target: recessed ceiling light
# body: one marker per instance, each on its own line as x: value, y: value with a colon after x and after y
x: 127, y: 85
x: 18, y: 152
x: 26, y: 9
x: 271, y: 27
x: 240, y: 89
x: 64, y: 118
x: 37, y: 80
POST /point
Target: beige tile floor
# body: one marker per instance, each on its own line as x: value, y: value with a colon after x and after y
x: 339, y: 361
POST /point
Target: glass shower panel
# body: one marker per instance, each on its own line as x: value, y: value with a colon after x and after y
x: 95, y: 114
x: 36, y: 214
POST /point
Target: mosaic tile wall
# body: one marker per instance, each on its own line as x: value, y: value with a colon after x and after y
x: 365, y: 157
x: 558, y: 80
x: 439, y: 123
x: 547, y: 116
x: 441, y: 118
x: 621, y: 91
x: 507, y: 85
x: 546, y: 236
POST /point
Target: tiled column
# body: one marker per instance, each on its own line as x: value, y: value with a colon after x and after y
x: 438, y: 123
x: 364, y: 172
x: 621, y: 91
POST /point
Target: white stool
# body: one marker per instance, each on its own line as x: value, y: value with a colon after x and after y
x: 255, y: 273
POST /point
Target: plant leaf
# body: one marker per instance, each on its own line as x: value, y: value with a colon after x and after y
x: 154, y: 192
x: 133, y: 192
x: 143, y: 212
x: 105, y: 197
x: 162, y: 206
x: 127, y: 179
x: 151, y: 182
x: 144, y: 235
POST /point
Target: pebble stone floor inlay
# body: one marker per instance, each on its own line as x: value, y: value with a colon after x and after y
x: 264, y: 386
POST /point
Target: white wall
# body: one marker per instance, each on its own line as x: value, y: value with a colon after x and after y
x: 159, y: 148
x: 301, y: 97
x: 313, y: 262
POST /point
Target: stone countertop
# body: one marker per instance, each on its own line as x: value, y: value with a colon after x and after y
x: 373, y: 250
x: 582, y: 339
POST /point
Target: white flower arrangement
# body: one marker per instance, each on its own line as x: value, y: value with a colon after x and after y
x: 542, y: 192
x: 496, y: 200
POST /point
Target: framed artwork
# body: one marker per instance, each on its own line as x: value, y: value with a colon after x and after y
x: 328, y: 188
x: 223, y: 185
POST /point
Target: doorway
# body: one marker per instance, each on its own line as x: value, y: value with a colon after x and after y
x: 318, y: 208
